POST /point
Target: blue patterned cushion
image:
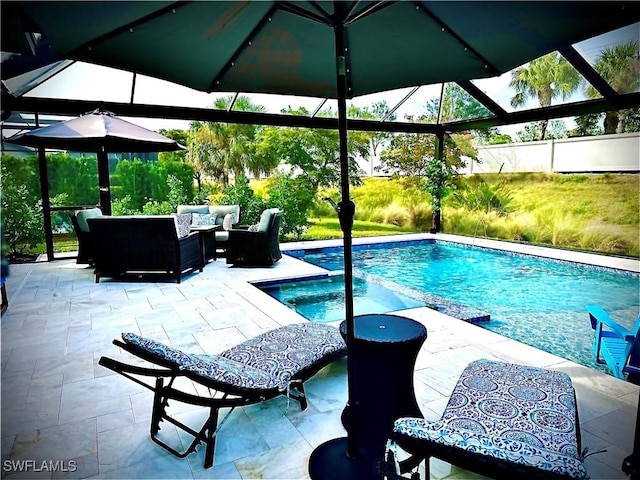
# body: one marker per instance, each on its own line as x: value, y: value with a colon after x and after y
x: 265, y: 362
x: 203, y: 219
x: 220, y: 369
x: 165, y: 352
x: 287, y: 350
x: 515, y: 413
x: 210, y: 367
x: 503, y: 448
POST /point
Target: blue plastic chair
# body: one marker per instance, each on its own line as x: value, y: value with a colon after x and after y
x: 613, y: 344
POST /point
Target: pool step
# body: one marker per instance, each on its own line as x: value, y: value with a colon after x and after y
x: 443, y: 305
x: 456, y: 310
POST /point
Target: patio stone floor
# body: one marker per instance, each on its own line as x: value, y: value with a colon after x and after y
x: 59, y: 405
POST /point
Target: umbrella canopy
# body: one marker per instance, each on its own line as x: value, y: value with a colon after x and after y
x: 100, y: 132
x: 289, y: 47
x: 96, y: 131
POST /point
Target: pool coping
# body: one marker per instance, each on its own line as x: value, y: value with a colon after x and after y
x: 587, y: 258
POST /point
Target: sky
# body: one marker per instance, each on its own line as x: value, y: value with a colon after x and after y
x: 90, y: 82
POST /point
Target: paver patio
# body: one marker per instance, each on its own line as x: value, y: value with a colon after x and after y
x: 59, y: 405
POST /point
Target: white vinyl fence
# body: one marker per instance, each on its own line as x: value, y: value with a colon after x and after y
x: 603, y: 153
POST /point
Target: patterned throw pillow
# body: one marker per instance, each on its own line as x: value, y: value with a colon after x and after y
x: 254, y: 228
x: 229, y: 220
x: 203, y: 219
x: 183, y: 223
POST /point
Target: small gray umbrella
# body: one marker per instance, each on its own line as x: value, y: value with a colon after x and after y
x: 100, y: 132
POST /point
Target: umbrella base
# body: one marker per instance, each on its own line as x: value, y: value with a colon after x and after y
x: 329, y: 461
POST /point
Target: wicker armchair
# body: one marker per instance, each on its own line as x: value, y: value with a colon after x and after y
x: 85, y: 243
x: 257, y: 246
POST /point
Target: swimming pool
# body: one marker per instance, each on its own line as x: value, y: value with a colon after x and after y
x: 321, y: 298
x: 531, y: 299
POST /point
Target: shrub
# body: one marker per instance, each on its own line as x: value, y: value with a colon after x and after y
x: 240, y: 193
x: 294, y: 199
x: 123, y: 206
x: 482, y: 196
x: 22, y: 218
x: 153, y: 207
x: 420, y: 216
x: 460, y: 221
x: 395, y: 214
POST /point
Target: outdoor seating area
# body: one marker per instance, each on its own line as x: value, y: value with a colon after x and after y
x: 60, y: 404
x: 224, y: 216
x: 174, y: 244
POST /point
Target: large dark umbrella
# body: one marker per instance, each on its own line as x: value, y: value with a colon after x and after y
x: 324, y: 49
x: 100, y: 132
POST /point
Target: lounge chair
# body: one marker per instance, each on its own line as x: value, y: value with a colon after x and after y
x: 503, y: 421
x: 613, y: 344
x: 274, y: 363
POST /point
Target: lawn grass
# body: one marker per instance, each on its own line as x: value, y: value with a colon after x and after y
x: 599, y: 213
x: 328, y: 228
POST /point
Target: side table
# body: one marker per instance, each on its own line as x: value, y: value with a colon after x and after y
x: 385, y: 350
x: 208, y: 249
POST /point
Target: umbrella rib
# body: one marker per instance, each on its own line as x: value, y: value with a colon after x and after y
x: 301, y: 12
x: 320, y: 105
x: 445, y: 28
x: 113, y: 33
x: 318, y: 7
x: 245, y: 43
x: 368, y: 10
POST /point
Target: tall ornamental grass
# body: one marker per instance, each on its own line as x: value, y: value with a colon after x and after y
x: 599, y: 213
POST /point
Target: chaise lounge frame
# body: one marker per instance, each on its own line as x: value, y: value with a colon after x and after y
x: 222, y: 393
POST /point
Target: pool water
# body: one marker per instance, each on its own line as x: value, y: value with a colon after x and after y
x: 321, y: 299
x: 537, y: 301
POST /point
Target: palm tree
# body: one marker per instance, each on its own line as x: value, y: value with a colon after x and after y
x: 201, y: 153
x: 620, y: 67
x: 222, y: 149
x: 544, y: 79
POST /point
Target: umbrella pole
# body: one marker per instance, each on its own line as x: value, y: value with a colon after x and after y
x: 340, y: 459
x: 103, y: 181
x: 46, y: 202
x: 346, y: 211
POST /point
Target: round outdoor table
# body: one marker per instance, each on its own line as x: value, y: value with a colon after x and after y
x: 384, y: 353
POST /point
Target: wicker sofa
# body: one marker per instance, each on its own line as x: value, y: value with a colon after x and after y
x: 142, y: 245
x: 229, y: 212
